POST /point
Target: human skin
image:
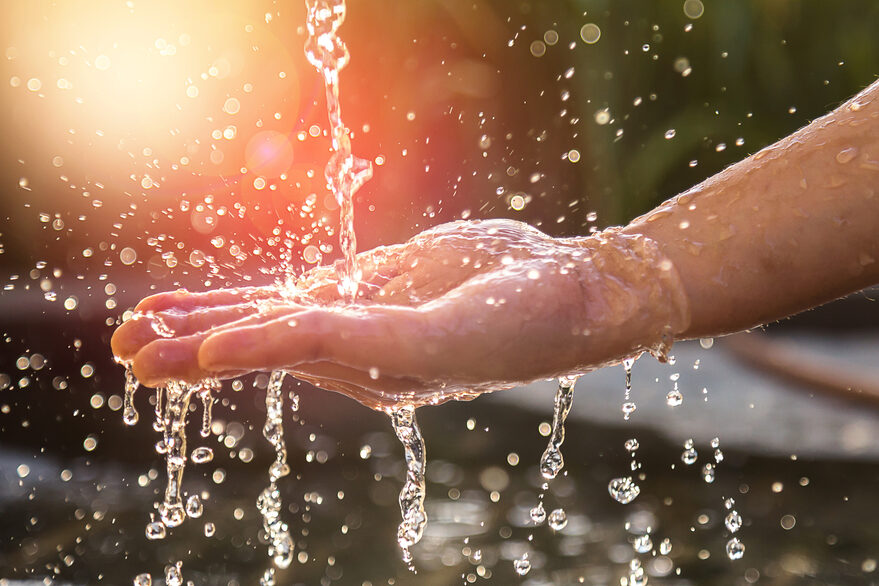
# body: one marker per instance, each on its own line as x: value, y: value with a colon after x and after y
x: 469, y: 307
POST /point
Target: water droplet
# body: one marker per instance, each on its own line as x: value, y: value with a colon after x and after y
x: 665, y: 546
x: 194, y: 506
x: 670, y: 133
x: 642, y: 543
x: 143, y: 580
x: 155, y: 530
x: 729, y: 504
x: 632, y: 445
x: 201, y: 455
x: 674, y: 398
x: 538, y: 514
x: 628, y: 408
x: 708, y: 472
x: 623, y: 490
x: 637, y: 577
x: 174, y: 574
x: 558, y: 519
x: 522, y: 565
x: 209, y: 529
x: 846, y: 155
x: 718, y: 456
x: 735, y: 549
x: 172, y: 513
x: 733, y: 521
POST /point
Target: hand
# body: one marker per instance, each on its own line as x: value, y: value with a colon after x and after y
x: 461, y: 309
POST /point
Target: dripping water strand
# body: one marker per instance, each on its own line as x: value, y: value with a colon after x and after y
x: 628, y: 405
x: 552, y: 461
x: 269, y: 502
x: 344, y: 172
x: 129, y: 413
x: 173, y: 445
x: 413, y: 492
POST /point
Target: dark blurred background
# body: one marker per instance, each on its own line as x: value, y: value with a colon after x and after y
x: 148, y: 146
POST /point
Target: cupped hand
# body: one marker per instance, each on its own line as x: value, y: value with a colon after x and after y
x: 460, y: 309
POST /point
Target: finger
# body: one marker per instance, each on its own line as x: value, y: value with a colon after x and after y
x: 142, y: 329
x: 385, y: 337
x: 183, y: 300
x: 173, y: 360
x: 372, y: 388
x: 177, y: 358
x: 169, y: 359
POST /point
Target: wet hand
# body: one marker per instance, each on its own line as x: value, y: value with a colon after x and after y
x: 460, y: 309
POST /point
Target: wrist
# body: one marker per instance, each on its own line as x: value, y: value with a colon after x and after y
x: 634, y: 291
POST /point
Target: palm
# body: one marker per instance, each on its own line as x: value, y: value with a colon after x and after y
x: 457, y: 310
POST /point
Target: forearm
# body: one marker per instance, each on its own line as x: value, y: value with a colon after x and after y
x: 788, y: 228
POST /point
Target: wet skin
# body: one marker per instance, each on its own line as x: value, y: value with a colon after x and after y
x: 468, y: 307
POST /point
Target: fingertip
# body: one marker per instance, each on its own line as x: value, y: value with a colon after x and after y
x: 160, y: 301
x: 130, y: 337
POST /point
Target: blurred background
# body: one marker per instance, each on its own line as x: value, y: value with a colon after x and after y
x: 152, y: 145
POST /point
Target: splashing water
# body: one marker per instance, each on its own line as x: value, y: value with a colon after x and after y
x: 552, y: 461
x: 413, y: 492
x: 269, y: 502
x: 344, y: 172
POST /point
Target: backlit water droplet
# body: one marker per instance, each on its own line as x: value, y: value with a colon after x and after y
x: 733, y: 521
x: 201, y: 455
x: 143, y: 580
x: 735, y: 549
x: 623, y: 489
x: 674, y: 398
x: 522, y: 565
x: 174, y: 574
x: 642, y: 543
x: 538, y: 514
x: 558, y: 519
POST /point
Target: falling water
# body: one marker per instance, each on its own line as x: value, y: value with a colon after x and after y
x: 173, y: 445
x: 344, y: 172
x: 129, y: 413
x: 412, y: 494
x: 552, y: 461
x: 269, y: 502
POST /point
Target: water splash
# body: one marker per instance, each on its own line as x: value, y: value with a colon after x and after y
x: 552, y: 461
x: 413, y: 492
x: 129, y: 413
x: 344, y: 172
x: 269, y: 502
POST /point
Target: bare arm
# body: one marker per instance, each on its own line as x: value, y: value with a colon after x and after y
x: 791, y: 227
